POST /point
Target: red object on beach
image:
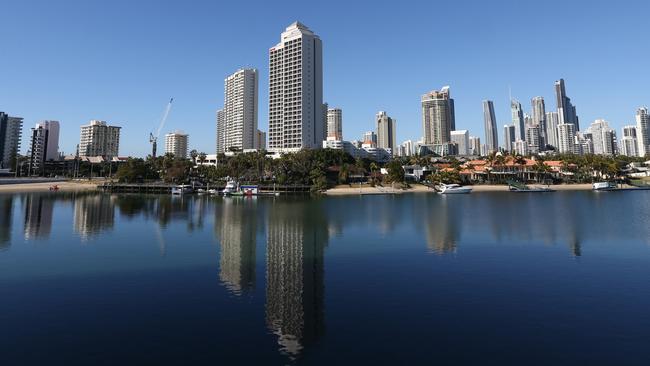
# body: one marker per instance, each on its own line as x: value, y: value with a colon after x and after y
x: 54, y: 188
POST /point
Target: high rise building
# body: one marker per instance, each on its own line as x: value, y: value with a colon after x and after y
x: 176, y: 143
x: 603, y: 137
x: 438, y: 118
x: 539, y: 119
x: 220, y: 132
x: 461, y: 139
x: 628, y: 145
x: 296, y: 91
x: 552, y: 121
x: 475, y: 146
x: 260, y: 142
x: 533, y: 138
x: 565, y: 110
x: 386, y: 131
x: 509, y: 132
x: 566, y: 133
x: 240, y: 110
x: 369, y: 137
x: 335, y: 124
x: 99, y: 139
x: 584, y: 144
x: 643, y: 131
x: 518, y: 119
x: 10, y: 132
x: 521, y: 147
x: 44, y: 145
x: 407, y: 148
x: 490, y: 120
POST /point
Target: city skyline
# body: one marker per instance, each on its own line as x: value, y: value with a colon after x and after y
x: 136, y: 107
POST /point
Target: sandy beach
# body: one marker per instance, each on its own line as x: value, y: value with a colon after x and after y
x: 365, y: 189
x: 68, y: 186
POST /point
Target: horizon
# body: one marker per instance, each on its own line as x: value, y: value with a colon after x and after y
x: 148, y: 63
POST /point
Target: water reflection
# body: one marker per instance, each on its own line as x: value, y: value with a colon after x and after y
x: 295, y: 290
x: 282, y: 241
x: 93, y: 214
x: 38, y: 216
x: 235, y: 226
x: 6, y: 210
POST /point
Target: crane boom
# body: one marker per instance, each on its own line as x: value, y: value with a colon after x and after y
x: 164, y: 117
x: 153, y: 139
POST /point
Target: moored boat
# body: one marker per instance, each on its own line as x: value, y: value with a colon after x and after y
x: 181, y: 189
x: 603, y: 186
x: 453, y: 189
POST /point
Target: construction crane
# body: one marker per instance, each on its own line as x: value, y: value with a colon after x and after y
x: 153, y: 139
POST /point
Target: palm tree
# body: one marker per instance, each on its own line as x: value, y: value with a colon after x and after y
x: 193, y: 155
x: 202, y: 157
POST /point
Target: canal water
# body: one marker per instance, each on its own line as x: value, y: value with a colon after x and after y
x: 482, y: 279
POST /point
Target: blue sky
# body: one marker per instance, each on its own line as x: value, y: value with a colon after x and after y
x: 121, y: 61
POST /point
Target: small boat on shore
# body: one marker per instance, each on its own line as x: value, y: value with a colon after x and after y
x: 603, y: 186
x: 453, y: 189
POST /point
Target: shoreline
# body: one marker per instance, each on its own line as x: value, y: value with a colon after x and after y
x: 415, y: 188
x: 64, y: 186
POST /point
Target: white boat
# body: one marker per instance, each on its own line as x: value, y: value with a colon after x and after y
x: 231, y: 187
x: 181, y: 189
x: 603, y: 186
x: 213, y: 191
x: 453, y: 189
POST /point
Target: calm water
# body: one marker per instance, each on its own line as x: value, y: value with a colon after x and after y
x: 481, y: 279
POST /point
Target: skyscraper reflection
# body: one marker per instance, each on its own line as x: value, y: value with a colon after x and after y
x: 236, y: 227
x: 296, y: 238
x: 93, y: 214
x: 6, y: 210
x: 38, y: 216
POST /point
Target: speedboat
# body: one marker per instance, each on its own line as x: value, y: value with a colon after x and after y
x: 231, y: 188
x: 603, y: 186
x: 453, y: 189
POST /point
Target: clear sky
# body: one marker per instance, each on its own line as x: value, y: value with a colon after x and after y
x: 121, y: 61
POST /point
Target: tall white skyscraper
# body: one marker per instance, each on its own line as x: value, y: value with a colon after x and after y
x: 643, y: 131
x: 518, y: 119
x: 438, y: 119
x: 11, y: 129
x: 566, y: 133
x: 240, y: 110
x: 475, y: 146
x: 176, y: 143
x: 602, y: 137
x: 296, y: 116
x: 44, y: 144
x: 386, y: 132
x: 221, y: 126
x: 491, y: 133
x: 99, y: 139
x: 628, y: 142
x: 334, y: 124
x: 539, y: 119
x: 552, y: 121
x: 461, y: 139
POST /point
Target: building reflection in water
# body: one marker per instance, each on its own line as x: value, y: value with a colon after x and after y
x: 236, y: 228
x: 295, y: 291
x: 6, y: 210
x: 442, y: 225
x: 93, y: 214
x: 38, y: 216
